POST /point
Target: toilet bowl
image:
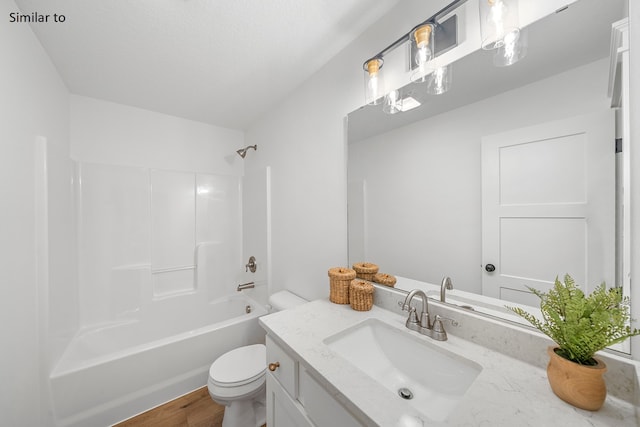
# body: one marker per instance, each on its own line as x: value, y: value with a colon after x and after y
x: 237, y: 378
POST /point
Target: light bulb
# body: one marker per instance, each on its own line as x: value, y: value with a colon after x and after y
x: 392, y: 103
x: 423, y: 55
x: 439, y: 80
x: 374, y: 83
x: 422, y: 36
x: 424, y: 52
x: 374, y: 87
x: 498, y: 18
x: 513, y: 50
x: 510, y: 41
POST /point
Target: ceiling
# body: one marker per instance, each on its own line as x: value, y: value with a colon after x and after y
x: 223, y: 62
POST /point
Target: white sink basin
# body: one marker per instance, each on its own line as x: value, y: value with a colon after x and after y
x: 406, y: 364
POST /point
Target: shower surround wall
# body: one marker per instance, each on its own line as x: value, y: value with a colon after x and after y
x: 148, y: 234
x: 158, y: 206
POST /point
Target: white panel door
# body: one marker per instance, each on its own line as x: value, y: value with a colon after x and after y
x: 548, y: 206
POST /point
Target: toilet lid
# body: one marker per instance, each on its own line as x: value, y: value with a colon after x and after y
x: 240, y: 366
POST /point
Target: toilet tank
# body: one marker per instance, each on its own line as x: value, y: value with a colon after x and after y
x: 282, y: 300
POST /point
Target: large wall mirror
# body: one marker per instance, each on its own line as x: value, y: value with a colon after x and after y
x: 513, y: 169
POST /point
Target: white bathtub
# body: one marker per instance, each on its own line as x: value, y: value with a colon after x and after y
x: 112, y: 372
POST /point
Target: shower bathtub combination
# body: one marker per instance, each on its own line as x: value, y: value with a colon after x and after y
x: 114, y: 371
x: 159, y: 256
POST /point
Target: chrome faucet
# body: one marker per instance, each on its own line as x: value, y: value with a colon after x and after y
x: 445, y: 286
x: 423, y: 324
x: 244, y: 286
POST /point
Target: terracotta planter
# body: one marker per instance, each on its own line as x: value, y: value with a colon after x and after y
x: 579, y: 385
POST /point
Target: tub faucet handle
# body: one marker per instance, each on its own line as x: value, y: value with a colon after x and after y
x: 251, y: 265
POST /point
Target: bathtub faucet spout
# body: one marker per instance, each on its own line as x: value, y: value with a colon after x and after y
x: 244, y: 286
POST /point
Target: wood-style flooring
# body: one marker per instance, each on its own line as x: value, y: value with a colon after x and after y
x: 195, y: 409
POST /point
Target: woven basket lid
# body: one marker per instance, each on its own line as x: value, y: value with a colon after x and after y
x: 385, y: 279
x: 342, y: 273
x: 365, y: 267
x: 362, y: 286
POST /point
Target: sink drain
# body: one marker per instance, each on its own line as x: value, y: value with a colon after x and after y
x: 405, y: 393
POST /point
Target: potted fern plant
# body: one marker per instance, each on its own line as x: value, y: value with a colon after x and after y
x: 580, y: 325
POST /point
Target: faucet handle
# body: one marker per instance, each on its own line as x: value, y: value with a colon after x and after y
x: 441, y: 318
x: 438, y: 326
x: 437, y: 331
x: 413, y: 317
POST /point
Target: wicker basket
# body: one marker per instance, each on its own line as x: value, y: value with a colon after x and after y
x: 361, y: 295
x: 385, y: 279
x: 339, y: 280
x: 365, y: 270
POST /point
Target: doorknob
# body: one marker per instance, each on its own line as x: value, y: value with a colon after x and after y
x: 490, y: 268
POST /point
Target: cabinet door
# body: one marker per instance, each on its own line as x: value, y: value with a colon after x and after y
x: 322, y: 408
x: 287, y: 371
x: 282, y: 411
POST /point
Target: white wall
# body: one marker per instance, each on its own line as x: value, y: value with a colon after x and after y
x: 114, y: 134
x: 302, y: 141
x: 438, y: 210
x: 36, y: 251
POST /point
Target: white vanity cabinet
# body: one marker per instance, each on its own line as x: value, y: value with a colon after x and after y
x: 295, y: 398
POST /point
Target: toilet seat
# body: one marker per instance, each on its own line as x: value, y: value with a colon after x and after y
x: 240, y: 366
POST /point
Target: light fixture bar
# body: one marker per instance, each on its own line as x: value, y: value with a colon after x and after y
x: 432, y: 20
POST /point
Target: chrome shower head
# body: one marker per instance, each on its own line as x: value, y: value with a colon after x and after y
x: 243, y: 151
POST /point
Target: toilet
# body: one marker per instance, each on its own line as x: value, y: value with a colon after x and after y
x: 237, y: 378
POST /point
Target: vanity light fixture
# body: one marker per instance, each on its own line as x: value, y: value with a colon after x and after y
x: 374, y: 81
x: 423, y: 38
x: 437, y: 77
x: 500, y: 31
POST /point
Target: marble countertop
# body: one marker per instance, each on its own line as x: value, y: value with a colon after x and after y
x: 507, y: 392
